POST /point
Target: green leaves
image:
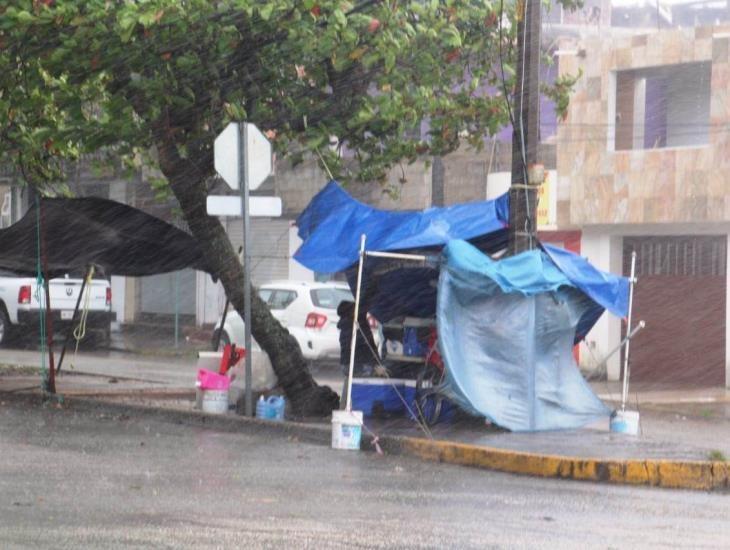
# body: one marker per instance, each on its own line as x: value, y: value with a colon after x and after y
x: 99, y: 74
x: 127, y: 21
x: 451, y: 37
x: 265, y: 10
x: 340, y: 18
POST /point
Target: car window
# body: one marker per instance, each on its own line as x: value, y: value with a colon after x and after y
x: 330, y: 298
x: 265, y: 294
x: 282, y: 298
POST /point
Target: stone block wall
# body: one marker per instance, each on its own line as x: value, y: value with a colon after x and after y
x: 597, y: 184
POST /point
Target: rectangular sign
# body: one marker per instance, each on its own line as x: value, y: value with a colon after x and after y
x: 547, y: 202
x: 230, y: 206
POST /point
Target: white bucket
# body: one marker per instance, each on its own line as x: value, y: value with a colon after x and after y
x: 625, y: 422
x: 215, y: 401
x: 346, y: 430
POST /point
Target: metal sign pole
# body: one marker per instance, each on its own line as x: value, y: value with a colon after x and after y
x: 243, y: 179
x: 348, y: 407
x: 625, y: 390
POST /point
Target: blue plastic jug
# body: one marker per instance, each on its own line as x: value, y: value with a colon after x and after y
x: 261, y: 408
x: 271, y: 408
x: 276, y: 405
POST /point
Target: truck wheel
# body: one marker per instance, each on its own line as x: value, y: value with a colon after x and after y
x: 4, y: 327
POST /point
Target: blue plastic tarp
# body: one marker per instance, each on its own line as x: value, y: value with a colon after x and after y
x: 333, y: 222
x: 506, y: 327
x: 543, y: 271
x: 609, y: 290
x: 506, y: 332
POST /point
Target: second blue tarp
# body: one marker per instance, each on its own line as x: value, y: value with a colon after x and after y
x: 506, y: 332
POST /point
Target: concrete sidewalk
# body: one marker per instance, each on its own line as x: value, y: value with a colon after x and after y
x: 677, y: 427
x: 690, y: 423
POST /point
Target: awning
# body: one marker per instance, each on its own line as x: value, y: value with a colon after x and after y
x: 118, y: 239
x: 333, y: 222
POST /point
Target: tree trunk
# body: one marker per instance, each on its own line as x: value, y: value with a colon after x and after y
x: 305, y: 396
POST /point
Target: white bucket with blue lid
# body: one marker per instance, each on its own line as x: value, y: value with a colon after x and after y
x: 625, y: 422
x: 346, y: 430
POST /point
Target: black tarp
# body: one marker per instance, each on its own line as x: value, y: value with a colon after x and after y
x: 116, y: 238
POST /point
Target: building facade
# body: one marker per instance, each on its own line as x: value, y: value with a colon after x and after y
x: 642, y: 166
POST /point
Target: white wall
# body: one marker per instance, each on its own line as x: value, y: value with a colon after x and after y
x: 210, y: 299
x: 297, y: 271
x: 498, y: 184
x: 119, y: 285
x: 604, y: 251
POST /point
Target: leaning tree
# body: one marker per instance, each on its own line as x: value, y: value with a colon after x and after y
x: 156, y: 80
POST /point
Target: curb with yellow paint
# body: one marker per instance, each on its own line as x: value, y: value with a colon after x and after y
x: 674, y: 474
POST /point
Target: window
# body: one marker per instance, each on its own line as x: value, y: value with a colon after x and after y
x: 665, y: 106
x: 281, y: 299
x: 330, y: 298
x: 265, y: 294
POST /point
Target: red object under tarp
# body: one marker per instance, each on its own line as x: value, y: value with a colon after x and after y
x: 433, y: 357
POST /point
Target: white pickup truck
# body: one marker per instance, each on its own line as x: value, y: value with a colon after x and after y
x: 20, y: 307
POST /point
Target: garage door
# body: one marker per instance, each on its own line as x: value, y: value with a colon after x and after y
x: 681, y: 296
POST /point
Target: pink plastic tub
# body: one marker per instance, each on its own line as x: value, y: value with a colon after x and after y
x: 209, y: 380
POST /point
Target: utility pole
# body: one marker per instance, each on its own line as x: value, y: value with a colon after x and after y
x: 437, y: 182
x: 527, y: 175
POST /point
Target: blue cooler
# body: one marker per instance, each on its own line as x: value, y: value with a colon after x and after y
x: 409, y: 394
x: 378, y: 395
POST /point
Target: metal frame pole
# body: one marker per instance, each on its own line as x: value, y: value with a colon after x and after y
x: 640, y: 326
x: 398, y: 256
x: 632, y: 281
x: 243, y: 180
x: 348, y: 406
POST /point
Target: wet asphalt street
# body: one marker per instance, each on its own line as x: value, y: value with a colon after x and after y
x: 92, y: 479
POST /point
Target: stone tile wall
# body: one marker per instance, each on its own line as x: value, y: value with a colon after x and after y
x: 597, y: 185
